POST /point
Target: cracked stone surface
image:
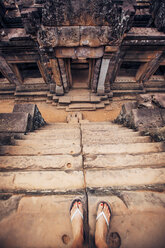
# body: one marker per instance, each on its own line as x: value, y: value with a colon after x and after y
x: 44, y: 172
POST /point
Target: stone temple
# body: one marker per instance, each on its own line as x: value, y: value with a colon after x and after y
x: 82, y: 116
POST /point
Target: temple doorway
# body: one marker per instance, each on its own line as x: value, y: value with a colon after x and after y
x: 81, y: 73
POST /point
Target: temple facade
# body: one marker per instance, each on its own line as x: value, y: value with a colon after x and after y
x: 110, y: 47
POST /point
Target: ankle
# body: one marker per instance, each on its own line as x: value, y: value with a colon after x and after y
x: 78, y: 242
x: 100, y: 242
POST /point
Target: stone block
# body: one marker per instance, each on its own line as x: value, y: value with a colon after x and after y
x: 14, y: 122
x: 134, y: 214
x: 53, y: 162
x: 135, y: 178
x: 142, y: 119
x: 39, y: 221
x: 125, y: 114
x: 94, y: 36
x: 35, y: 118
x: 130, y: 148
x: 48, y: 181
x: 6, y: 139
x: 159, y: 100
x: 145, y: 101
x: 79, y: 52
x: 124, y: 160
x: 59, y: 90
x: 68, y: 36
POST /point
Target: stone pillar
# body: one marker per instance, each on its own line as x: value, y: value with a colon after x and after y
x: 57, y: 76
x: 95, y: 78
x: 7, y: 72
x: 116, y: 57
x: 102, y: 76
x: 63, y: 74
x: 44, y: 66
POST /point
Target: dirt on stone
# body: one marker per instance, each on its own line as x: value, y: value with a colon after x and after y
x: 52, y: 115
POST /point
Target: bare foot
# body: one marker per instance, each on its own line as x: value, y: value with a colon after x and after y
x: 76, y: 214
x: 101, y: 225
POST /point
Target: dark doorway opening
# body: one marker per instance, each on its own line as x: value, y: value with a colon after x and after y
x: 3, y: 79
x: 80, y: 73
x: 29, y: 73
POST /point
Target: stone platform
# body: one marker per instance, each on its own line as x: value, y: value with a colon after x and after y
x: 44, y: 172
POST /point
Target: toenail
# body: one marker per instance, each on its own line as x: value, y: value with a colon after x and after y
x: 101, y: 204
x: 79, y: 203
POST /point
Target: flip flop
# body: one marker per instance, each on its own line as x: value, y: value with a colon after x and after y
x: 103, y: 214
x: 77, y: 211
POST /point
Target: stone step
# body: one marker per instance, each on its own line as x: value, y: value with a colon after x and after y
x: 48, y: 162
x: 38, y: 220
x: 63, y: 134
x: 82, y: 106
x: 117, y: 161
x: 47, y: 149
x: 45, y: 143
x: 106, y: 127
x: 125, y: 86
x: 130, y: 148
x: 80, y: 86
x: 102, y: 139
x: 155, y: 84
x: 7, y: 92
x: 125, y: 92
x: 155, y: 89
x: 135, y: 214
x: 111, y: 133
x: 126, y: 179
x: 29, y: 93
x: 58, y: 126
x: 23, y: 99
x: 42, y: 181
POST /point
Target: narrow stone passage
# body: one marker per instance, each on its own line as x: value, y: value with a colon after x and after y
x: 42, y: 174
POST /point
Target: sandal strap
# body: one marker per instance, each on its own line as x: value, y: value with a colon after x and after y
x: 77, y: 211
x: 102, y: 214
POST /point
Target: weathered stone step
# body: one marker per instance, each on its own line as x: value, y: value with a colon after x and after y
x: 59, y: 126
x: 124, y: 179
x: 124, y: 148
x: 37, y: 221
x: 134, y: 214
x: 7, y: 92
x: 33, y: 93
x: 125, y: 86
x: 47, y: 149
x: 98, y: 127
x: 88, y: 106
x: 155, y: 89
x: 115, y: 161
x: 47, y: 162
x: 42, y: 181
x: 125, y: 92
x: 45, y: 143
x: 102, y: 139
x: 55, y: 134
x: 112, y: 133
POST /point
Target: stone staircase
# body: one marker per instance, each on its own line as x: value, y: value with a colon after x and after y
x: 78, y: 99
x: 41, y: 174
